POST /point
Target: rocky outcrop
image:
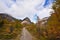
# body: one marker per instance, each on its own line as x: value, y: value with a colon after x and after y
x: 26, y: 21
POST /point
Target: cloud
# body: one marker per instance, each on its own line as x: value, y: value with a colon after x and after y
x: 14, y: 0
x: 25, y: 8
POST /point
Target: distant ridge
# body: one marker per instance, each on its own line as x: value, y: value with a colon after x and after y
x: 6, y: 16
x: 10, y: 18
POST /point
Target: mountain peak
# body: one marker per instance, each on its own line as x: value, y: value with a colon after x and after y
x: 27, y: 19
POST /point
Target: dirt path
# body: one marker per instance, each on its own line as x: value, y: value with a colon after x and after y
x: 26, y: 35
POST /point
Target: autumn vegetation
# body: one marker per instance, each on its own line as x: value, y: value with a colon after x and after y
x: 50, y: 30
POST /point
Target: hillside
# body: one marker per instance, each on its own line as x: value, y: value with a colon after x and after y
x: 9, y: 27
x: 14, y: 29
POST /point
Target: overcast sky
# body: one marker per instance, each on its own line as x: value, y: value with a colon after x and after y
x: 26, y: 8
